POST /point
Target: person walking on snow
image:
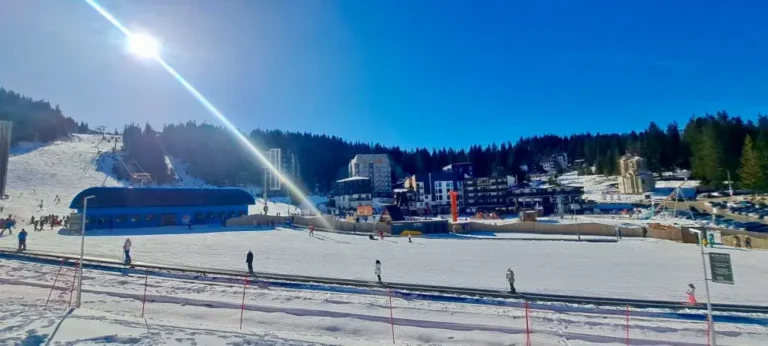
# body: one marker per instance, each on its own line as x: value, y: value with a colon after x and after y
x: 312, y: 230
x: 378, y: 270
x: 22, y: 239
x: 409, y: 238
x: 511, y: 280
x: 691, y: 292
x: 249, y: 260
x: 127, y: 250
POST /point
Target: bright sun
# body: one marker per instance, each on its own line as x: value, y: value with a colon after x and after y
x: 143, y: 45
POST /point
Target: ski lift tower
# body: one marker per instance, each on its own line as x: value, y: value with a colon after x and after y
x: 677, y: 193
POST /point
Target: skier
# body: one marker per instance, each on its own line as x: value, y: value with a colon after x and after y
x: 312, y: 230
x: 378, y: 270
x: 691, y: 292
x: 249, y: 260
x: 511, y: 280
x: 748, y: 242
x: 127, y: 250
x: 22, y: 239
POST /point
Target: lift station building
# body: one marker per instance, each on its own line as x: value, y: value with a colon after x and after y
x: 124, y: 207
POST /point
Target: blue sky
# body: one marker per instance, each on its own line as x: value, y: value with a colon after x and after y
x: 398, y: 72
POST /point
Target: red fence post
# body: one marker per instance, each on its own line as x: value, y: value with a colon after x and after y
x: 627, y: 324
x: 527, y: 326
x: 144, y: 301
x: 54, y: 282
x: 242, y: 305
x: 72, y: 290
x: 391, y: 315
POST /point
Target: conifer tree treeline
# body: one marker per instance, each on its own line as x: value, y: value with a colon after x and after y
x: 35, y: 120
x: 709, y: 145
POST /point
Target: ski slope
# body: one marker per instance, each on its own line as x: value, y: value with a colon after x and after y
x: 39, y: 172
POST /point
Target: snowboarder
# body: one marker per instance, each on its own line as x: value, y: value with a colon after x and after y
x: 22, y: 239
x: 312, y: 230
x: 691, y: 292
x: 511, y: 280
x: 127, y: 250
x: 748, y: 242
x: 378, y: 270
x: 249, y: 260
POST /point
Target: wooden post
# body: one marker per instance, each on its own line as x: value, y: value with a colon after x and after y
x: 54, y: 282
x: 627, y: 325
x: 391, y: 315
x: 144, y: 301
x: 242, y: 305
x: 527, y: 326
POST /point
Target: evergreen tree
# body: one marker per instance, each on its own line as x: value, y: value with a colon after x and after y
x: 751, y: 172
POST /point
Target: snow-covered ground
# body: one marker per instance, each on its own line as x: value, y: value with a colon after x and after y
x: 602, y: 188
x: 631, y: 268
x: 182, y: 312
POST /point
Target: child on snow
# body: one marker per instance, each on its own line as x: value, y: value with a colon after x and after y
x: 511, y: 280
x: 378, y: 270
x: 127, y: 250
x: 691, y: 292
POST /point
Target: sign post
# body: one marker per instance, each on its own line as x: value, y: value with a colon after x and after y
x: 720, y: 268
x: 711, y: 321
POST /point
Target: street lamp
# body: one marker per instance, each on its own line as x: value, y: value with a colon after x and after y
x: 82, y: 250
x: 711, y: 321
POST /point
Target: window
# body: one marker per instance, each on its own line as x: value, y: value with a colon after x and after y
x: 210, y: 215
x: 120, y: 218
x: 135, y: 218
x: 149, y: 218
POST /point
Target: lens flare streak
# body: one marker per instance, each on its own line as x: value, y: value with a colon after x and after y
x: 209, y: 106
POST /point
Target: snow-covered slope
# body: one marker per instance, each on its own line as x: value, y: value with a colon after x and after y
x: 38, y: 173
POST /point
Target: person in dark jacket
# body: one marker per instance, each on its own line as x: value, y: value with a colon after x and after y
x: 249, y: 260
x: 22, y: 239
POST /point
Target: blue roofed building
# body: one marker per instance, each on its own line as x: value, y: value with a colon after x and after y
x: 120, y: 207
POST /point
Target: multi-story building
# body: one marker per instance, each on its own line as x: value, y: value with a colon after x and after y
x: 551, y: 163
x: 352, y: 192
x: 634, y: 178
x: 549, y: 199
x: 462, y: 170
x: 487, y: 193
x: 286, y: 163
x: 431, y: 192
x: 376, y: 167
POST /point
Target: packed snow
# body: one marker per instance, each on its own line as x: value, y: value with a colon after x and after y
x: 180, y: 312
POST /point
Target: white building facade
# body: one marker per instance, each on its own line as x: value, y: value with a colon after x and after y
x: 376, y: 167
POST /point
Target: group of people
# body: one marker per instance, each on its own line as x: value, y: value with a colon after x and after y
x: 51, y: 220
x: 737, y: 242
